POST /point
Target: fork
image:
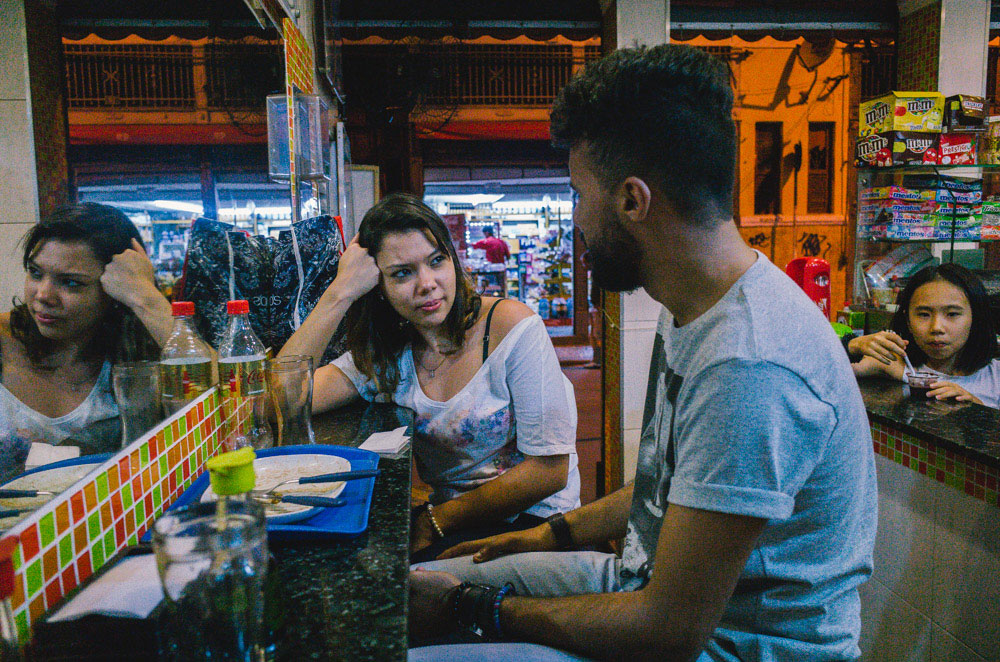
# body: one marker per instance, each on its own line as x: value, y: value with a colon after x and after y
x: 18, y: 494
x: 300, y: 500
x: 322, y: 478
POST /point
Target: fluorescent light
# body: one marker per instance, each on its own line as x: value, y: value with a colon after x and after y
x: 467, y: 198
x: 179, y: 206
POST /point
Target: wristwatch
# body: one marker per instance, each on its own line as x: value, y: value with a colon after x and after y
x: 560, y: 529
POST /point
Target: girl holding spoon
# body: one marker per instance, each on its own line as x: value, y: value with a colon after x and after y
x: 943, y: 325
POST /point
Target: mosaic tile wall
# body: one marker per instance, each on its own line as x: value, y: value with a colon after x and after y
x: 946, y: 467
x: 918, y: 43
x: 64, y: 543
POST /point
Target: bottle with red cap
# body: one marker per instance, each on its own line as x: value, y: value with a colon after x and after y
x: 186, y: 363
x: 241, y: 372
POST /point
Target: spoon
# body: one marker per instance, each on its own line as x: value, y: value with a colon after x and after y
x: 322, y: 478
x: 910, y: 370
x: 17, y: 494
x: 300, y: 500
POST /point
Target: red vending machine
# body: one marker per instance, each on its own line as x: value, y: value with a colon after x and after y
x: 813, y: 275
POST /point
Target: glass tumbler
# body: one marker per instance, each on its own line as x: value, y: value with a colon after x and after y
x: 137, y: 390
x: 212, y: 564
x: 290, y: 384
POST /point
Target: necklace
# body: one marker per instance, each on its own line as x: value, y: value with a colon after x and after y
x: 432, y: 371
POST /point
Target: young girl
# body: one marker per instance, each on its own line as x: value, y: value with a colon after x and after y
x: 89, y: 300
x: 495, y: 424
x: 943, y: 324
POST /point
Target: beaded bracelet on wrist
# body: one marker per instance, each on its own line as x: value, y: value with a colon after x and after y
x: 434, y: 523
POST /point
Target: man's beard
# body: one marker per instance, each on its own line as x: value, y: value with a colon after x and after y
x: 614, y: 258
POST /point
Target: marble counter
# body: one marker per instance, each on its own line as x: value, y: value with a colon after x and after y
x: 970, y: 429
x: 347, y: 600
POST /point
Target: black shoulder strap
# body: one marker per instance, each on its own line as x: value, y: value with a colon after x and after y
x: 486, y: 334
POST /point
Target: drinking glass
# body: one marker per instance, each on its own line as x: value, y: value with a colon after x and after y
x: 137, y: 390
x: 212, y: 564
x: 290, y: 384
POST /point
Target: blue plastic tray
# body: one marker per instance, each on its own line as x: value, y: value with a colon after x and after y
x: 346, y: 521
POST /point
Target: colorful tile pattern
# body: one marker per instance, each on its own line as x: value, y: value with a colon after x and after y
x: 64, y: 543
x: 947, y: 467
x: 918, y: 45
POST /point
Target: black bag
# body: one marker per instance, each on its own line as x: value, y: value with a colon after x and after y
x: 282, y: 278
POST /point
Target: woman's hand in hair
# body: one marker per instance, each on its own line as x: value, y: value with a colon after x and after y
x: 129, y: 276
x: 884, y: 346
x: 129, y: 279
x: 357, y: 274
x: 948, y: 390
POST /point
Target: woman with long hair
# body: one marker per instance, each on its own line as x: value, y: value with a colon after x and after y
x: 495, y: 424
x: 89, y: 301
x: 943, y: 324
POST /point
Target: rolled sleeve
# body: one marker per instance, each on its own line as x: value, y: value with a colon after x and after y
x: 753, y: 435
x: 543, y: 399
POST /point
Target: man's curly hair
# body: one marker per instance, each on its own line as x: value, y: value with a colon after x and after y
x: 663, y: 114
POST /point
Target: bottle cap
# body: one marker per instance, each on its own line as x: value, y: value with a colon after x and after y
x: 182, y: 308
x: 232, y: 473
x: 238, y: 307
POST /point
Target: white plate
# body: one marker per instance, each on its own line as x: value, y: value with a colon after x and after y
x: 276, y: 468
x: 53, y: 480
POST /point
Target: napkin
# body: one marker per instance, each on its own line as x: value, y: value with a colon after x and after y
x: 132, y: 587
x: 387, y: 443
x: 40, y: 454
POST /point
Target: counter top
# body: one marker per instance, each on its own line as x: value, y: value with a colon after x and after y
x: 347, y: 600
x: 970, y: 429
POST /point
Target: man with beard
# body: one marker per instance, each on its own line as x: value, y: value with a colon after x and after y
x: 751, y: 520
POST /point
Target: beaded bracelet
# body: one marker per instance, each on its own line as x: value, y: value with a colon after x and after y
x: 501, y: 594
x: 434, y: 524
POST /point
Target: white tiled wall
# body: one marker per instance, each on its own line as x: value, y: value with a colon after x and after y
x: 639, y: 315
x: 18, y: 185
x: 935, y: 592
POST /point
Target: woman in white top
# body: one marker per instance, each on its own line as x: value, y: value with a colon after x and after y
x: 495, y: 424
x: 89, y: 298
x: 943, y: 324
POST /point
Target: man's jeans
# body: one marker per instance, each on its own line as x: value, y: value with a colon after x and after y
x: 537, y: 574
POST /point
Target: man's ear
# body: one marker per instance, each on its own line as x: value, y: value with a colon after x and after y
x: 634, y: 200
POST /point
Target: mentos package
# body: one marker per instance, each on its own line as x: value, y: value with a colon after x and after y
x: 894, y: 218
x: 909, y: 232
x: 968, y: 197
x: 957, y: 209
x: 964, y: 112
x: 942, y: 220
x: 872, y: 231
x: 902, y: 111
x: 897, y: 193
x: 904, y: 206
x: 957, y: 148
x: 970, y: 233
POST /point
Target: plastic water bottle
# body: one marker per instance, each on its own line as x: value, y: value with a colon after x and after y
x: 241, y: 372
x: 186, y: 365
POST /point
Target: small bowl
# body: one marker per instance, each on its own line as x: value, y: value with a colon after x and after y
x: 920, y: 383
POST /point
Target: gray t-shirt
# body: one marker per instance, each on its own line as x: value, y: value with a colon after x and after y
x: 752, y: 409
x: 983, y: 383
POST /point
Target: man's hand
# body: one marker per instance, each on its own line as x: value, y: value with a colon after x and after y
x: 884, y: 346
x: 945, y: 390
x: 128, y: 278
x: 537, y: 539
x: 430, y: 603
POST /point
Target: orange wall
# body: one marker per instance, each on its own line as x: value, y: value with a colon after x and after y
x: 771, y: 84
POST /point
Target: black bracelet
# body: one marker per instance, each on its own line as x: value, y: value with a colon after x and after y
x: 478, y: 607
x: 560, y: 529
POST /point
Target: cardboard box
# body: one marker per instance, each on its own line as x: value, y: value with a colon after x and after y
x: 964, y: 112
x: 895, y: 148
x: 902, y: 111
x: 957, y: 149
